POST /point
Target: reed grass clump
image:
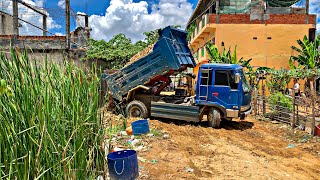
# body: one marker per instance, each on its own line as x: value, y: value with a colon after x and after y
x: 49, y: 125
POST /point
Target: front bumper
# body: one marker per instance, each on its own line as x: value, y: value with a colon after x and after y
x: 244, y: 114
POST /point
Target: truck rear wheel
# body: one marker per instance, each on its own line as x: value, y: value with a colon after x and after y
x: 214, y: 118
x: 137, y: 109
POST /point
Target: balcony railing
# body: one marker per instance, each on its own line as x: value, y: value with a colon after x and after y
x: 201, y: 22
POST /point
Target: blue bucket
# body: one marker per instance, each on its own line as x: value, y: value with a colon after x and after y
x: 140, y: 127
x: 123, y: 165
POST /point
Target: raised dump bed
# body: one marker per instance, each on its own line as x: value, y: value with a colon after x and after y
x: 170, y: 55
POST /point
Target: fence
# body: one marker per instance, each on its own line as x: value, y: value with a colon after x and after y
x: 298, y: 111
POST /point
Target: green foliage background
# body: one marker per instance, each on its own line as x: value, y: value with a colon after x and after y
x: 284, y: 101
x: 118, y: 51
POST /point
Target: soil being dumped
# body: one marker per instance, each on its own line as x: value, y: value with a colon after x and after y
x: 141, y: 54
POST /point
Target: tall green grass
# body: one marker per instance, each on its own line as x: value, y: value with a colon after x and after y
x: 50, y: 127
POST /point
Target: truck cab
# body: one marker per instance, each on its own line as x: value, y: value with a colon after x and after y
x: 224, y: 89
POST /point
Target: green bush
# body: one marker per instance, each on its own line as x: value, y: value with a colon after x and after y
x: 285, y: 101
x: 50, y: 128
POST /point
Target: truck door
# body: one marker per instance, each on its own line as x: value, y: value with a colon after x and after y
x: 225, y: 90
x: 205, y: 84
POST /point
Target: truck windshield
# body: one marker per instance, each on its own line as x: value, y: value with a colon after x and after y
x: 245, y: 82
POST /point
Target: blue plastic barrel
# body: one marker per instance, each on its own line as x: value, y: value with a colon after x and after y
x: 123, y: 165
x: 140, y: 127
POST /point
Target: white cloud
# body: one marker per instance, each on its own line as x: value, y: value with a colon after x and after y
x: 62, y: 4
x: 315, y: 9
x: 133, y: 18
x: 30, y: 16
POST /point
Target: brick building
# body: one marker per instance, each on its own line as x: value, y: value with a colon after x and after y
x: 261, y: 29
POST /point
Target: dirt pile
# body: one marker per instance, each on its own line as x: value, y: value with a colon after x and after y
x: 141, y: 54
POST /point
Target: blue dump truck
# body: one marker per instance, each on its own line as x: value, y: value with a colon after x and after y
x: 222, y: 90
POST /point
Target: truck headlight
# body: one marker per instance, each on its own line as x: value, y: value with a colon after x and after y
x: 244, y: 108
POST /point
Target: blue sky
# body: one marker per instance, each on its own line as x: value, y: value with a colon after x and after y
x: 110, y: 17
x: 99, y: 6
x: 97, y: 9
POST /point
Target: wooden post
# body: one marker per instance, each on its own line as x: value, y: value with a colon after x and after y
x: 293, y: 111
x: 297, y: 114
x: 307, y: 11
x: 313, y: 94
x: 263, y: 99
x: 15, y: 21
x: 255, y: 101
x: 68, y: 23
x: 217, y: 12
x: 313, y: 124
x: 44, y: 25
x: 86, y: 19
x: 279, y: 109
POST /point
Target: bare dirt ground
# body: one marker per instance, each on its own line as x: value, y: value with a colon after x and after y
x: 239, y: 150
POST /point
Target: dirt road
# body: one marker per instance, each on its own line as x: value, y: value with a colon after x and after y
x: 239, y: 150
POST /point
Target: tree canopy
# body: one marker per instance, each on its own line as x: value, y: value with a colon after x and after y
x: 116, y: 52
x: 120, y: 49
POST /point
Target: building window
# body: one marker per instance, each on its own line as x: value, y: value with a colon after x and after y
x: 312, y: 34
x: 213, y: 41
x: 203, y: 21
x: 202, y: 52
x: 198, y: 27
x: 269, y: 38
x: 255, y: 38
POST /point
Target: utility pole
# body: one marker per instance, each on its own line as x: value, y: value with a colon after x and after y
x: 44, y: 15
x: 15, y: 21
x: 68, y: 23
x: 44, y: 25
x: 307, y: 11
x: 217, y: 11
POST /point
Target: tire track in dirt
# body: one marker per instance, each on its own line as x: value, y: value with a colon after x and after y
x: 237, y: 151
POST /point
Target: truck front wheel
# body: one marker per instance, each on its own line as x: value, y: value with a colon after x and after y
x: 137, y: 109
x: 214, y: 118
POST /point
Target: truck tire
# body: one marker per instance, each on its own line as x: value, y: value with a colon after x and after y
x: 137, y: 109
x: 214, y: 118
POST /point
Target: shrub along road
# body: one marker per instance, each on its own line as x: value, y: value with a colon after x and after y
x: 239, y: 150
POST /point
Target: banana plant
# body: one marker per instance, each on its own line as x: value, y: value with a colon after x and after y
x: 228, y: 57
x: 308, y: 58
x: 308, y: 53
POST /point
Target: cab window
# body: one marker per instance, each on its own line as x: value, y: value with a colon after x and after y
x: 221, y: 78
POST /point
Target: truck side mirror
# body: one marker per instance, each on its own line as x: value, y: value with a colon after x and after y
x: 237, y: 78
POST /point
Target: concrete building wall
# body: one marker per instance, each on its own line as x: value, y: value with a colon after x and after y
x: 267, y: 41
x: 6, y: 27
x: 34, y: 42
x: 268, y: 45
